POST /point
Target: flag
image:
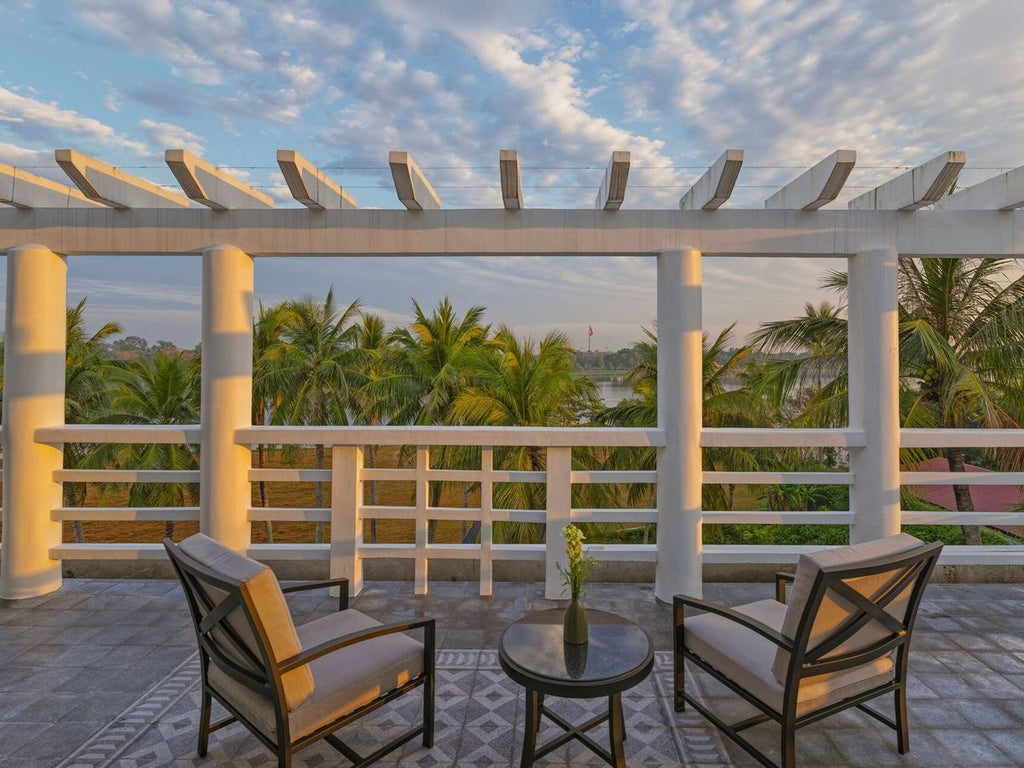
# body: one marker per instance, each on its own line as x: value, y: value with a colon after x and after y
x: 590, y: 330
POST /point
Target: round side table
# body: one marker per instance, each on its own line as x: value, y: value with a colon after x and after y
x: 618, y: 655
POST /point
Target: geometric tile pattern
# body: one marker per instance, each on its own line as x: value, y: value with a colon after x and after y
x: 99, y: 662
x: 479, y: 722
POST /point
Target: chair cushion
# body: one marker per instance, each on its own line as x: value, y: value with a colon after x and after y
x: 344, y: 680
x: 746, y: 657
x: 835, y: 610
x: 265, y: 595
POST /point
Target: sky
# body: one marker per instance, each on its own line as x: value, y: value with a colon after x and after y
x: 454, y: 81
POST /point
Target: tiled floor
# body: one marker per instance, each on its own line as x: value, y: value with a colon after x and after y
x: 72, y: 662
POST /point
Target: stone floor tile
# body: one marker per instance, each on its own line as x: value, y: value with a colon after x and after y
x: 973, y: 747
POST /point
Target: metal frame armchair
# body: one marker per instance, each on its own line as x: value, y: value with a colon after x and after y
x: 842, y: 640
x: 292, y: 686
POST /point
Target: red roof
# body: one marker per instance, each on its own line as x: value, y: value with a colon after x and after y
x: 986, y: 498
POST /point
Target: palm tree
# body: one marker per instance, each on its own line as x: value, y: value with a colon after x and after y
x: 437, y: 350
x: 520, y: 384
x: 309, y: 367
x: 265, y: 399
x: 722, y: 406
x: 87, y: 371
x: 961, y: 332
x: 374, y: 396
x: 163, y: 390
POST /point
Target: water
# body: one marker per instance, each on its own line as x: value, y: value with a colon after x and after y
x: 611, y: 391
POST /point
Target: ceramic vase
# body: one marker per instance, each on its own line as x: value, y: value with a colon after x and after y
x: 575, y: 628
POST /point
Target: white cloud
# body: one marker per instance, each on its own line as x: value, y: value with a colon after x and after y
x: 170, y: 136
x: 42, y: 121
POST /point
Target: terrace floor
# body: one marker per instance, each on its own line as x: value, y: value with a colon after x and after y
x: 103, y: 673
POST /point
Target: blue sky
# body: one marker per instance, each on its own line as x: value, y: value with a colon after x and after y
x: 452, y: 82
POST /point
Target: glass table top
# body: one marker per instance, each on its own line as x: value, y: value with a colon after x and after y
x: 616, y: 647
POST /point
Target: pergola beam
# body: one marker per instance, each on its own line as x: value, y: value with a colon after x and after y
x: 916, y: 188
x: 27, y: 190
x: 816, y: 186
x: 311, y: 186
x: 613, y: 186
x: 105, y: 184
x: 1000, y: 193
x: 716, y: 185
x: 511, y: 181
x: 207, y: 184
x: 411, y: 185
x: 479, y: 232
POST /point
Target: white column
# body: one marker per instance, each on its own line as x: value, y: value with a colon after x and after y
x: 558, y: 514
x: 680, y: 350
x: 225, y: 493
x: 874, y: 393
x: 346, y: 521
x: 34, y: 352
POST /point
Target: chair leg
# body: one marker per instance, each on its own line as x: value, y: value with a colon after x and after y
x: 788, y: 757
x: 679, y: 684
x: 428, y: 712
x: 205, y: 708
x: 902, y: 729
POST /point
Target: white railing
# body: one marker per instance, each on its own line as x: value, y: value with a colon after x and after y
x: 348, y: 476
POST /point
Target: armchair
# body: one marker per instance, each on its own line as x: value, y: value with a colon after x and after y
x: 292, y: 686
x: 842, y: 639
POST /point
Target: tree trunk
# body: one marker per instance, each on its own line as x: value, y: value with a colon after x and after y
x: 319, y: 502
x: 371, y: 461
x: 74, y: 496
x: 268, y: 526
x: 962, y: 495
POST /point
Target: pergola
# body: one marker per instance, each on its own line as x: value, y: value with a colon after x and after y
x: 109, y: 212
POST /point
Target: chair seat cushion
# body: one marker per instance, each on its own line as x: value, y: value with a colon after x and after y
x: 343, y: 680
x: 746, y: 658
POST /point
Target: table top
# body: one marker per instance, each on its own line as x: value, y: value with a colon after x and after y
x: 618, y: 655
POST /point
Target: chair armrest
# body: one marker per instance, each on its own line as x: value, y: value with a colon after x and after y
x: 782, y: 578
x: 311, y: 654
x: 740, y: 618
x: 338, y: 582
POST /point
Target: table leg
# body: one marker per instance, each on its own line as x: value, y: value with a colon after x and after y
x: 616, y: 730
x: 531, y: 726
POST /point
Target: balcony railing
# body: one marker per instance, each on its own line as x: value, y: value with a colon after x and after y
x: 348, y: 476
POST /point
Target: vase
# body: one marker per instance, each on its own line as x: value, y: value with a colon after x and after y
x: 575, y: 626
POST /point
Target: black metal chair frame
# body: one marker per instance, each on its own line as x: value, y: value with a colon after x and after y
x: 915, y: 566
x: 267, y: 682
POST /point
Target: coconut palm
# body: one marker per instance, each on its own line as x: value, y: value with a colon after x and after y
x: 265, y: 399
x: 87, y: 371
x: 309, y: 368
x: 436, y: 352
x: 163, y: 390
x: 721, y: 405
x: 518, y: 383
x: 374, y: 398
x: 961, y: 333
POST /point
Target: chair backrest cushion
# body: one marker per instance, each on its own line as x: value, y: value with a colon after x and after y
x: 269, y: 606
x: 834, y: 610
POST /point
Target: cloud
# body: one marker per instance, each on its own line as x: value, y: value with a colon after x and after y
x: 172, y: 136
x: 45, y: 122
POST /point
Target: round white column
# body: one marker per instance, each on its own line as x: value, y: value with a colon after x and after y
x: 873, y: 349
x: 225, y: 493
x: 34, y: 353
x: 680, y: 381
